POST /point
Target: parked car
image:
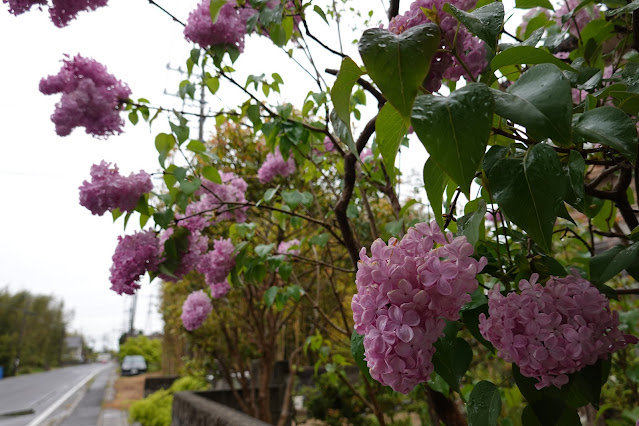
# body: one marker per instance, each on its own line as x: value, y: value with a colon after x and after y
x: 132, y: 365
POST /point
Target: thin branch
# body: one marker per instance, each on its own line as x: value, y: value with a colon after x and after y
x: 167, y: 12
x: 566, y: 230
x: 365, y: 84
x: 451, y: 210
x: 319, y: 262
x: 393, y: 9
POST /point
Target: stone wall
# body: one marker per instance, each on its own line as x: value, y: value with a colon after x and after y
x: 192, y: 409
x: 153, y: 384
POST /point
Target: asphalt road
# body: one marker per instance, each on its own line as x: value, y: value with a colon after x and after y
x: 24, y: 400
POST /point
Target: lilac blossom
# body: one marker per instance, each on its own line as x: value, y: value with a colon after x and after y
x: 275, y: 165
x: 217, y: 263
x: 228, y: 30
x: 329, y: 146
x: 18, y: 7
x: 579, y: 20
x: 470, y: 49
x: 64, y: 11
x: 405, y: 291
x: 219, y: 290
x: 195, y: 309
x: 197, y: 246
x: 91, y: 98
x: 553, y: 330
x: 134, y: 255
x: 109, y: 190
x: 285, y: 247
x: 218, y: 202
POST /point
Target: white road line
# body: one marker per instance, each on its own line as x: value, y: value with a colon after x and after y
x: 46, y: 413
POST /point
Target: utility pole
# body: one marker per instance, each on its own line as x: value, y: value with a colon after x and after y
x: 134, y: 303
x: 202, y: 100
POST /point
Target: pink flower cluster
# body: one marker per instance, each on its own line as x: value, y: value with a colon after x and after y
x: 91, y: 97
x: 405, y: 291
x: 229, y: 30
x: 470, y: 49
x: 285, y: 247
x: 328, y: 144
x: 553, y: 330
x: 195, y: 309
x: 220, y: 289
x: 218, y: 202
x: 61, y: 11
x: 217, y: 263
x: 135, y: 255
x: 109, y: 190
x: 275, y: 165
x: 197, y: 246
x: 580, y: 19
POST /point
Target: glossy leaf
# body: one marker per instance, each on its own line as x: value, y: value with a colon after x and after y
x: 469, y: 225
x: 269, y: 295
x: 530, y: 190
x: 576, y: 193
x: 211, y: 173
x: 606, y: 265
x: 527, y: 55
x: 390, y: 129
x: 357, y: 349
x: 485, y: 22
x: 343, y: 131
x: 484, y: 404
x: 526, y: 102
x: 455, y: 130
x: 530, y: 4
x: 452, y: 359
x: 609, y: 126
x: 435, y: 181
x: 348, y: 74
x: 398, y: 64
x: 164, y: 143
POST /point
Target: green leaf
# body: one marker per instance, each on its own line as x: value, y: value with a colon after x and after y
x: 530, y: 4
x: 292, y: 198
x: 470, y: 225
x: 609, y: 126
x: 485, y: 22
x: 452, y: 359
x: 470, y: 318
x: 189, y: 187
x: 630, y: 7
x: 576, y: 193
x: 264, y: 250
x: 320, y: 12
x: 196, y: 146
x: 398, y: 64
x: 343, y: 132
x: 269, y: 296
x: 606, y: 265
x: 435, y: 181
x: 320, y: 240
x: 455, y: 130
x: 269, y: 194
x: 215, y: 7
x: 527, y: 102
x: 348, y: 74
x: 164, y: 143
x: 527, y: 55
x: 357, y: 349
x: 390, y: 129
x: 484, y: 404
x: 211, y: 173
x: 182, y: 132
x: 213, y: 84
x: 530, y: 190
x: 163, y: 219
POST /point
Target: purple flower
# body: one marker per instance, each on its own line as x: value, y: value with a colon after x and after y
x: 197, y: 246
x: 217, y: 263
x: 229, y: 30
x: 195, y: 309
x: 64, y: 11
x: 18, y: 7
x: 328, y: 144
x: 285, y: 247
x: 217, y: 202
x: 275, y: 165
x: 134, y: 255
x: 220, y: 289
x: 405, y: 291
x: 578, y: 20
x: 554, y: 330
x: 91, y: 98
x: 109, y: 190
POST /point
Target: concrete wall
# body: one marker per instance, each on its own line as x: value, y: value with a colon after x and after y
x: 153, y: 384
x: 191, y: 409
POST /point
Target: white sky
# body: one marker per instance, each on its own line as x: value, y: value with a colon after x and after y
x: 49, y: 243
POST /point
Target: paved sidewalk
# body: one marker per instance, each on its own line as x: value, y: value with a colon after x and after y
x: 111, y: 416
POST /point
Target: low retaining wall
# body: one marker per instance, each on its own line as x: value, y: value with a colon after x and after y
x: 154, y: 384
x: 191, y: 409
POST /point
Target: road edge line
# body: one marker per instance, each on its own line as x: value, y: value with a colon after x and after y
x: 46, y: 413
